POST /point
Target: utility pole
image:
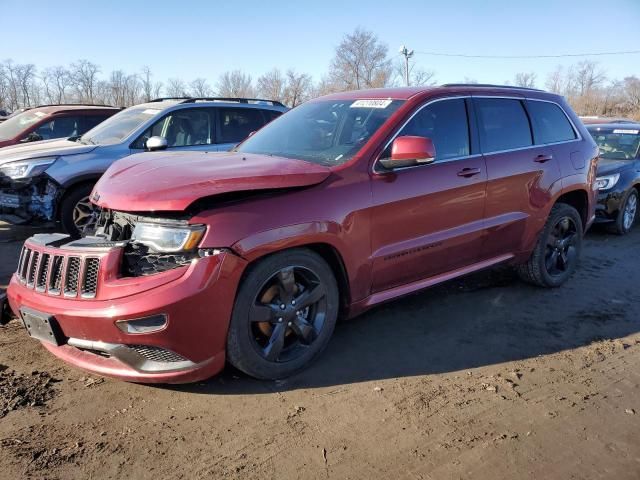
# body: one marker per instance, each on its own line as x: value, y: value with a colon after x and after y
x: 404, y: 51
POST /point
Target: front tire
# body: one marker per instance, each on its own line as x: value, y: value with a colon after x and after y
x: 77, y: 213
x: 557, y: 251
x: 627, y: 214
x: 284, y: 314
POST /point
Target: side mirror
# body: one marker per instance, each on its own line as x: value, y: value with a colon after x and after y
x: 156, y: 143
x: 32, y: 137
x: 410, y: 151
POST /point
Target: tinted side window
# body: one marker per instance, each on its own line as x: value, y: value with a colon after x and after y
x: 60, y: 127
x: 237, y: 123
x: 271, y: 114
x: 550, y: 124
x: 91, y: 121
x: 503, y: 124
x: 446, y: 124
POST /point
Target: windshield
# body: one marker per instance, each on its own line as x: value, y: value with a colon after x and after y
x: 617, y: 144
x: 117, y: 128
x: 327, y: 132
x: 12, y: 126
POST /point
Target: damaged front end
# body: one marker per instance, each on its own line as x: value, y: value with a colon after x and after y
x: 28, y: 200
x: 152, y: 244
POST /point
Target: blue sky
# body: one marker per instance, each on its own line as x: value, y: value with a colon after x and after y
x: 190, y: 39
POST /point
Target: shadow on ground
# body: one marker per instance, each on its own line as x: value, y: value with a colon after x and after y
x: 484, y: 319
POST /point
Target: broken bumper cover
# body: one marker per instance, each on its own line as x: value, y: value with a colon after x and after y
x: 197, y: 301
x: 31, y: 198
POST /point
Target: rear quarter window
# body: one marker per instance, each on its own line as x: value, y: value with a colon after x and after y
x: 550, y: 124
x: 503, y: 124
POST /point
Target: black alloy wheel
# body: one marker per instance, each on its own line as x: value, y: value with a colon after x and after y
x: 561, y: 247
x: 284, y: 314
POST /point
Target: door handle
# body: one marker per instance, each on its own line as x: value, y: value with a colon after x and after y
x: 543, y: 158
x: 468, y: 172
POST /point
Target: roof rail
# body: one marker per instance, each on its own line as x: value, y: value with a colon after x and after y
x: 73, y: 105
x: 164, y: 99
x: 489, y: 85
x: 233, y: 99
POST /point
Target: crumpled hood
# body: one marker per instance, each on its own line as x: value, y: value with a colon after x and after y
x: 608, y: 167
x: 45, y: 148
x: 171, y: 181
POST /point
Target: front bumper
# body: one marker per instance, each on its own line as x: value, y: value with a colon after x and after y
x: 197, y: 300
x: 608, y: 206
x: 34, y: 198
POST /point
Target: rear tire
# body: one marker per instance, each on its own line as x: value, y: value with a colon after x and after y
x: 627, y: 215
x: 557, y: 251
x: 76, y: 212
x: 284, y: 314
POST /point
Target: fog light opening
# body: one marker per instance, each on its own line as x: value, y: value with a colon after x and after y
x: 143, y: 325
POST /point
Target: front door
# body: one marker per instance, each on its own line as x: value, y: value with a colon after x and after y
x: 427, y: 220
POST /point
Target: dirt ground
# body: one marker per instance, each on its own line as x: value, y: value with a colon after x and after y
x: 482, y: 378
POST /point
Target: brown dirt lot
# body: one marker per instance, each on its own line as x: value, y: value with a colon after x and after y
x: 483, y: 378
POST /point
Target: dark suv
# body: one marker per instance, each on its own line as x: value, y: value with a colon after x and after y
x: 343, y: 203
x: 47, y: 122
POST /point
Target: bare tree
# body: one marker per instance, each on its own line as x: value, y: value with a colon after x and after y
x: 360, y: 61
x: 85, y: 77
x: 588, y: 77
x: 147, y: 85
x: 176, y: 88
x: 58, y: 81
x: 298, y: 88
x: 201, y: 88
x: 272, y: 85
x: 525, y: 79
x: 235, y: 84
x: 417, y: 76
x: 555, y: 80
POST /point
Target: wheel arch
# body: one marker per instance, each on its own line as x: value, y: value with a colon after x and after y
x: 70, y: 187
x: 578, y: 199
x: 329, y: 253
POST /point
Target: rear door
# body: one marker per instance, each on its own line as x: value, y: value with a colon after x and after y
x: 428, y: 219
x: 520, y: 175
x: 236, y: 123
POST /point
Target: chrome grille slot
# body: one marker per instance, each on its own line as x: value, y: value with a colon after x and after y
x: 25, y: 265
x: 43, y: 271
x: 90, y: 277
x: 72, y: 276
x: 55, y: 279
x: 20, y: 262
x: 33, y: 266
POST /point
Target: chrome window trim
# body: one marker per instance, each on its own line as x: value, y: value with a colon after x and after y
x: 454, y: 97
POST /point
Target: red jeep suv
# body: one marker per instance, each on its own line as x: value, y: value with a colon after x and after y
x: 344, y: 202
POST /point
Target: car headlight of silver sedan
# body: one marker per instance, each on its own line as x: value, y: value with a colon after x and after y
x: 26, y: 168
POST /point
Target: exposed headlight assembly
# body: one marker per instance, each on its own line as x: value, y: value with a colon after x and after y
x: 167, y: 238
x: 607, y: 181
x: 26, y: 168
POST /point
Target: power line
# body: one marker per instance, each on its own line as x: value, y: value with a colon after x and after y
x: 562, y: 55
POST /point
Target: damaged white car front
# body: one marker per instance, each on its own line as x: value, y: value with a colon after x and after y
x: 26, y: 191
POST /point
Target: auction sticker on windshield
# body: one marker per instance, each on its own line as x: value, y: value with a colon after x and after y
x: 371, y: 104
x: 629, y: 132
